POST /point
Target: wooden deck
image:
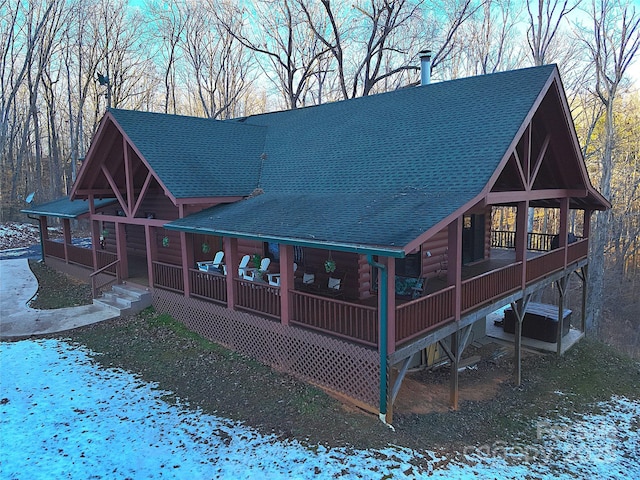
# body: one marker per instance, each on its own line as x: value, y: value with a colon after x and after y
x: 483, y: 284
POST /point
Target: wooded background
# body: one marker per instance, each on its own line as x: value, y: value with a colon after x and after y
x: 64, y: 61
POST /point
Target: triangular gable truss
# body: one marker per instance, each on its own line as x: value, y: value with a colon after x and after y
x: 127, y: 179
x: 544, y: 162
x: 528, y: 163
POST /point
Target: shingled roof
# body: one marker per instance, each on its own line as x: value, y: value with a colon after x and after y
x: 377, y: 172
x: 196, y: 157
x: 65, y: 208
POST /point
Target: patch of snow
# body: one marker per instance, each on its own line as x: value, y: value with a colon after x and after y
x: 64, y: 416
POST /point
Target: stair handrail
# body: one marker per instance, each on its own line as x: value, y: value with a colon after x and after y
x: 94, y: 288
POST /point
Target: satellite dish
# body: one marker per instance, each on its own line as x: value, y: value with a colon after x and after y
x: 29, y: 198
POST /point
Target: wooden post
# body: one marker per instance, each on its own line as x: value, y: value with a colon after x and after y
x: 519, y: 309
x: 152, y: 253
x: 562, y: 286
x: 231, y: 264
x: 121, y: 250
x: 66, y: 231
x: 95, y: 242
x: 521, y: 238
x: 454, y: 357
x: 564, y: 227
x: 186, y: 244
x: 454, y: 268
x: 391, y: 303
x: 286, y: 283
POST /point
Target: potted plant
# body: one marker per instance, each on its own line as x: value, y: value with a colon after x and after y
x: 329, y: 265
x: 205, y: 247
x: 165, y: 241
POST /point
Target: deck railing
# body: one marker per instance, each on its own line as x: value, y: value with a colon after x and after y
x: 545, y: 264
x: 482, y: 289
x: 536, y: 242
x: 208, y: 286
x: 168, y: 277
x: 257, y: 297
x: 80, y: 256
x: 54, y: 249
x: 578, y: 251
x: 418, y: 316
x: 355, y: 322
x: 106, y: 258
x: 96, y: 288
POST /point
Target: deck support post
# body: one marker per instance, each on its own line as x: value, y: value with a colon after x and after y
x: 454, y: 390
x: 519, y: 309
x: 562, y: 288
x: 521, y: 238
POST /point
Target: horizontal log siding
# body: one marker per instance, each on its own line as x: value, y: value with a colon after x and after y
x: 489, y: 286
x: 208, y: 286
x: 578, y: 251
x: 168, y: 277
x: 545, y: 264
x: 437, y: 246
x: 157, y: 203
x: 258, y: 298
x: 358, y: 323
x: 136, y: 240
x: 171, y: 254
x: 418, y: 316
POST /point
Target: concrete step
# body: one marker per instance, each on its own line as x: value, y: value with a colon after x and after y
x: 125, y: 299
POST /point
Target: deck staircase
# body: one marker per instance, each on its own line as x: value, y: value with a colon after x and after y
x: 125, y: 299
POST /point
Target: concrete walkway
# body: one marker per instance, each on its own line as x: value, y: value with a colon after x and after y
x: 17, y: 286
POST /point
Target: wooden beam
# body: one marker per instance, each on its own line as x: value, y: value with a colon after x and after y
x: 230, y: 246
x: 286, y: 283
x: 526, y: 160
x: 128, y: 176
x: 401, y: 374
x: 523, y: 179
x: 143, y: 192
x: 494, y: 198
x: 538, y: 162
x: 114, y: 189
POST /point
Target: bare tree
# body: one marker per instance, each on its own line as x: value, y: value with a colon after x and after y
x: 219, y: 63
x: 613, y: 44
x: 280, y: 34
x: 170, y: 19
x: 544, y: 23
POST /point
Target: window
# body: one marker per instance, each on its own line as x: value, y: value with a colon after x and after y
x: 410, y: 266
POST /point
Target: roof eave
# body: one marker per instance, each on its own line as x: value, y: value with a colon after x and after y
x: 386, y: 251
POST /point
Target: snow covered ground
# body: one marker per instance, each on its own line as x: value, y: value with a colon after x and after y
x: 63, y: 416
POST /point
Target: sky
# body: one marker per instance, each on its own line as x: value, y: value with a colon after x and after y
x: 64, y: 416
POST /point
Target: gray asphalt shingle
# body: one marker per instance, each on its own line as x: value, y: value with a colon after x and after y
x: 383, y: 169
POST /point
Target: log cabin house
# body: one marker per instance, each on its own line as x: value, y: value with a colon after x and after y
x: 393, y: 192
